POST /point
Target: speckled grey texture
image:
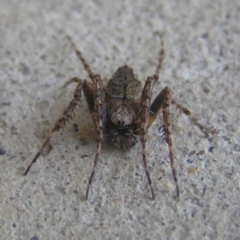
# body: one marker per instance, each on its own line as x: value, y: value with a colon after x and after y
x: 202, y: 42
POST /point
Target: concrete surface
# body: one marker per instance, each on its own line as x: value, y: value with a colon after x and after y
x: 202, y: 42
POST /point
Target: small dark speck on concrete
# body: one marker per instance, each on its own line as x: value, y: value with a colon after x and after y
x: 231, y: 171
x: 189, y: 160
x: 225, y: 206
x: 4, y: 104
x: 61, y: 190
x: 196, y: 201
x: 2, y: 151
x: 23, y: 158
x: 130, y: 217
x: 34, y: 238
x: 3, y: 114
x: 236, y: 147
x: 60, y: 75
x: 204, y: 190
x: 211, y: 149
x: 115, y: 177
x: 191, y: 153
x: 14, y: 225
x: 24, y: 69
x: 43, y: 57
x: 12, y: 157
x: 47, y: 85
x: 224, y: 118
x: 225, y: 138
x: 201, y: 152
x: 14, y: 130
x: 76, y: 147
x: 75, y: 127
x: 84, y: 156
x: 206, y: 90
x: 205, y: 36
x: 83, y: 141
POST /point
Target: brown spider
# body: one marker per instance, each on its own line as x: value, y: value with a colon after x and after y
x: 118, y: 115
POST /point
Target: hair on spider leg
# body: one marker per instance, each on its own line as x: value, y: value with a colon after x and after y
x: 161, y: 129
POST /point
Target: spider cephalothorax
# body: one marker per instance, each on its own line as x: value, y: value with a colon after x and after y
x: 119, y: 114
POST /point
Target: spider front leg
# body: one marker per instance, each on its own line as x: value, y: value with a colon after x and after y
x: 148, y: 115
x: 163, y: 102
x: 144, y: 113
x: 95, y: 97
x: 96, y: 102
x: 68, y: 113
x: 143, y: 118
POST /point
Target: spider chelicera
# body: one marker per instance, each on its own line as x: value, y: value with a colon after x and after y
x: 119, y: 115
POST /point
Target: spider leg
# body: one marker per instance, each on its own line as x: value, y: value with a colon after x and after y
x: 95, y: 96
x: 155, y: 108
x: 82, y: 59
x: 75, y: 79
x: 144, y: 117
x: 163, y: 102
x: 160, y: 60
x: 167, y: 100
x: 62, y: 121
x: 193, y: 119
x: 88, y: 93
x: 99, y: 117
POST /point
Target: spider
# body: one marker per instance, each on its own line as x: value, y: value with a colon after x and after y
x: 119, y: 115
